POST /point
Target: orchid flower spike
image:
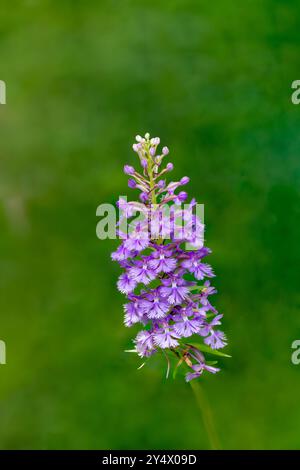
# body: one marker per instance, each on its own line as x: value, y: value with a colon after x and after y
x: 165, y: 282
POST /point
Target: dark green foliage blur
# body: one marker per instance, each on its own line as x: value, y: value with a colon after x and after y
x: 213, y: 80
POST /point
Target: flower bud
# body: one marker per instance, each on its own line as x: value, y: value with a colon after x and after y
x: 131, y: 183
x: 152, y: 151
x: 129, y: 170
x: 161, y: 184
x: 169, y: 167
x: 138, y: 138
x: 165, y: 150
x: 144, y: 163
x: 184, y: 180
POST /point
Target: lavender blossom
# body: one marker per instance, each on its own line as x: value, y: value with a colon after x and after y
x: 126, y: 284
x: 174, y: 289
x: 134, y: 312
x: 166, y: 285
x: 144, y: 343
x: 154, y: 305
x: 185, y: 323
x: 165, y: 338
x: 162, y: 261
x: 142, y: 272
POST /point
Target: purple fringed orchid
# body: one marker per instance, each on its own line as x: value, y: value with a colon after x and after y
x: 165, y: 283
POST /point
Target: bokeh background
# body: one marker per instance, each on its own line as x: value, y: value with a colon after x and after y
x: 213, y: 80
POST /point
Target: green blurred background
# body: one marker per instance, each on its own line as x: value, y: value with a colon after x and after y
x: 213, y: 80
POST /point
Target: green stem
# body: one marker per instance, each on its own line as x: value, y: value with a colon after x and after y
x: 151, y: 183
x: 207, y: 416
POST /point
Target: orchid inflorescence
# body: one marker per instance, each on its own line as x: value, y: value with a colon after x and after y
x: 165, y: 283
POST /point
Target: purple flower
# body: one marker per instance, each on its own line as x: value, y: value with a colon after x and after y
x: 155, y: 141
x: 184, y: 180
x: 126, y: 209
x: 185, y: 325
x: 129, y: 170
x: 133, y: 312
x: 154, y: 306
x: 206, y: 327
x: 142, y: 272
x: 199, y: 368
x: 165, y: 338
x: 181, y: 197
x: 121, y: 253
x: 216, y: 340
x: 144, y: 197
x: 144, y: 343
x: 200, y: 312
x: 131, y: 183
x: 162, y: 261
x: 194, y: 265
x: 206, y: 291
x: 138, y: 240
x: 156, y: 264
x: 161, y: 184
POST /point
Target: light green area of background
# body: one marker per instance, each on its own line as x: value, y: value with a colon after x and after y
x: 213, y: 80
